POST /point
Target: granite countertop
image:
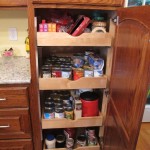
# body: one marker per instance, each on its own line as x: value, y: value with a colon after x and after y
x: 14, y: 70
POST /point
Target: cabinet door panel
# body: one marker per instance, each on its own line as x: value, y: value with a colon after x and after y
x: 14, y: 123
x: 13, y: 97
x: 84, y: 2
x: 16, y: 144
x: 13, y: 2
x: 130, y: 75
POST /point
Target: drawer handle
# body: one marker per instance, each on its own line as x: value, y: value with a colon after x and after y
x: 2, y: 99
x: 7, y: 126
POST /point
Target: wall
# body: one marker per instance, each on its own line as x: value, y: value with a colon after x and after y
x: 13, y: 19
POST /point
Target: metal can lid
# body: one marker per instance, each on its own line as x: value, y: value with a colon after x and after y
x: 89, y: 96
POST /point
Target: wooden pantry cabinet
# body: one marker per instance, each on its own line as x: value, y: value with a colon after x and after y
x: 15, y: 122
x: 126, y: 50
x: 82, y: 2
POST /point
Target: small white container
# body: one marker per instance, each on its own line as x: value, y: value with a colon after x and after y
x: 50, y: 141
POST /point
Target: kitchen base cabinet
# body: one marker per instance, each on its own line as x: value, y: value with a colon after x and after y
x: 24, y: 144
x: 15, y: 118
x: 124, y: 85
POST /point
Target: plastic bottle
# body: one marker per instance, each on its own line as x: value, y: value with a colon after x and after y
x: 50, y: 141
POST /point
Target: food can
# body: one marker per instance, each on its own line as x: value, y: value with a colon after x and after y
x: 46, y: 73
x: 81, y: 141
x: 56, y: 72
x: 88, y: 72
x: 69, y: 113
x: 49, y: 113
x: 78, y: 73
x: 69, y: 143
x: 59, y: 112
x: 66, y: 73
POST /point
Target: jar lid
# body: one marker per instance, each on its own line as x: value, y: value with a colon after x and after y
x: 89, y: 96
x: 50, y: 137
x: 60, y: 138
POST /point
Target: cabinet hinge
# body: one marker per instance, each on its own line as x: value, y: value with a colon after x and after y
x: 116, y: 20
x: 101, y: 143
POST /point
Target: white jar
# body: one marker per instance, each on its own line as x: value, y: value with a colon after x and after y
x: 50, y: 141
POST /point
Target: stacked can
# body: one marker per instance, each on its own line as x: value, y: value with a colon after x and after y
x: 58, y: 104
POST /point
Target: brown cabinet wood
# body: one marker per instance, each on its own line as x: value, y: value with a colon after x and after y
x: 83, y: 2
x: 15, y: 123
x: 24, y: 144
x: 129, y: 79
x: 14, y: 97
x: 12, y: 3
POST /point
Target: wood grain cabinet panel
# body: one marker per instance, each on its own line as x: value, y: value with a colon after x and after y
x: 13, y: 2
x: 15, y: 123
x: 13, y: 97
x: 16, y: 144
x: 84, y: 2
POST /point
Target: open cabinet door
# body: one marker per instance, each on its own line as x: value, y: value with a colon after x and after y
x: 129, y: 79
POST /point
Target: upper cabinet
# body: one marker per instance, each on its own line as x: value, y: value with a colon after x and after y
x: 13, y: 3
x: 84, y: 2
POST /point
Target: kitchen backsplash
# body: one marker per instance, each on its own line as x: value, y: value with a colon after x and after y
x: 13, y: 20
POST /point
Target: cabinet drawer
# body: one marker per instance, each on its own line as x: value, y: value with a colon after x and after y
x: 13, y: 2
x: 13, y: 97
x: 84, y: 2
x: 25, y: 144
x: 14, y: 123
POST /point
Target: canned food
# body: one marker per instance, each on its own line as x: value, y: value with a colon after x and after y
x: 66, y: 73
x: 69, y: 143
x: 78, y: 73
x: 81, y: 141
x: 59, y: 112
x: 69, y: 113
x: 46, y: 73
x: 56, y: 72
x: 49, y: 113
x: 88, y: 73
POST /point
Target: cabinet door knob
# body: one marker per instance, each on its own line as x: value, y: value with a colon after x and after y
x: 2, y: 99
x: 6, y: 126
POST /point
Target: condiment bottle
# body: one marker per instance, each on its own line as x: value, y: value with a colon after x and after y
x: 50, y: 141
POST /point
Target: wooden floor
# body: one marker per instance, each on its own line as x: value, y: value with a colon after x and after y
x: 144, y: 137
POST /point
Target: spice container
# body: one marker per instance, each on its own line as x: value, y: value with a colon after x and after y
x: 60, y: 141
x: 50, y: 141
